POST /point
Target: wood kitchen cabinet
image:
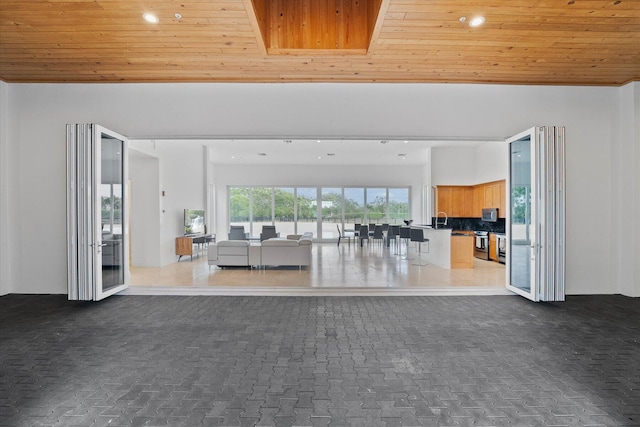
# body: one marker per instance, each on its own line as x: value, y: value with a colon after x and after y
x: 455, y: 201
x: 493, y: 247
x: 489, y: 195
x: 461, y: 201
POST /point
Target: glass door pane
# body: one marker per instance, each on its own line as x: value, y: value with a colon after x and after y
x: 239, y: 203
x: 307, y: 207
x: 353, y: 207
x: 111, y: 206
x: 331, y: 212
x: 398, y: 205
x: 376, y: 205
x: 262, y: 209
x: 520, y: 228
x: 284, y: 211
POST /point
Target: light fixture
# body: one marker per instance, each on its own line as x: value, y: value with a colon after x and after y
x: 178, y: 17
x: 406, y: 142
x: 319, y: 157
x: 149, y: 17
x: 262, y: 154
x: 318, y: 141
x: 476, y: 21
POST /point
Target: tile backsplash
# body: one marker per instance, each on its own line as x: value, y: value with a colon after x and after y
x: 475, y: 224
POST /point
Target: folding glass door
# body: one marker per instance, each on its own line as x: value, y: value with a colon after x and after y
x: 97, y: 212
x: 536, y: 214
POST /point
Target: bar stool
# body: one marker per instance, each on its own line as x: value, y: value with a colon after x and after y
x: 417, y: 236
x: 405, y: 235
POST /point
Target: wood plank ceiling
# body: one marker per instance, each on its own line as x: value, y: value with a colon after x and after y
x: 578, y: 42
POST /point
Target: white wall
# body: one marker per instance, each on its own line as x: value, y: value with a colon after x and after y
x: 182, y: 180
x: 485, y: 162
x: 39, y: 112
x: 145, y: 211
x: 5, y: 161
x: 625, y: 250
x: 314, y: 176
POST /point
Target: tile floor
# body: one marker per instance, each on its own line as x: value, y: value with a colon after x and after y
x: 347, y: 266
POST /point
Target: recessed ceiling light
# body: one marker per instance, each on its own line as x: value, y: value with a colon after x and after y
x: 319, y: 157
x: 406, y: 142
x: 318, y: 141
x: 149, y: 17
x: 462, y: 19
x: 477, y: 21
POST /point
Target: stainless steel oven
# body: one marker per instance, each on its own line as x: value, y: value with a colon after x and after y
x: 481, y: 245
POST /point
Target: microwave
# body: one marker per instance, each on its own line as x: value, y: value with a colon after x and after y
x: 490, y: 214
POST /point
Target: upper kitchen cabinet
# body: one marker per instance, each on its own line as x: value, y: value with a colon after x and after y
x: 459, y: 201
x: 489, y: 195
x: 456, y: 201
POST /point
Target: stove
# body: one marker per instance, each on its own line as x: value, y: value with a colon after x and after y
x: 481, y: 245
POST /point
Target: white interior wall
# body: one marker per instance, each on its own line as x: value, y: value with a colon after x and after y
x: 485, y: 162
x: 182, y: 180
x: 453, y: 166
x: 626, y: 193
x: 39, y: 112
x: 144, y: 176
x: 5, y: 239
x: 491, y: 161
x: 314, y: 176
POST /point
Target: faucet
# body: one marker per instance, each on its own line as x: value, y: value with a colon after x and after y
x: 446, y: 218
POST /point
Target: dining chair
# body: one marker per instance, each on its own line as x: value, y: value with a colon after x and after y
x: 344, y: 235
x: 364, y: 233
x: 378, y: 234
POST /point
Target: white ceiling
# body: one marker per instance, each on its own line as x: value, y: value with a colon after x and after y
x: 317, y: 151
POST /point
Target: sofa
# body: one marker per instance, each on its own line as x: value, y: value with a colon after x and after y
x: 229, y: 253
x: 295, y: 250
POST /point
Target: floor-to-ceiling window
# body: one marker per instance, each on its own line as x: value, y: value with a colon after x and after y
x: 353, y: 206
x: 318, y: 210
x: 240, y: 206
x: 307, y: 210
x: 398, y: 205
x: 331, y: 212
x: 376, y: 205
x: 284, y: 210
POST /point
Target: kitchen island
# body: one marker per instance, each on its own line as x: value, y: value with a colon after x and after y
x: 445, y: 248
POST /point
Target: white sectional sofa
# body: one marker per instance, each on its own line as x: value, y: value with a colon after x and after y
x: 229, y: 253
x: 295, y: 250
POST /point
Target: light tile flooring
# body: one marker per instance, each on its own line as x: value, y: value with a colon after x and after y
x: 347, y: 266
